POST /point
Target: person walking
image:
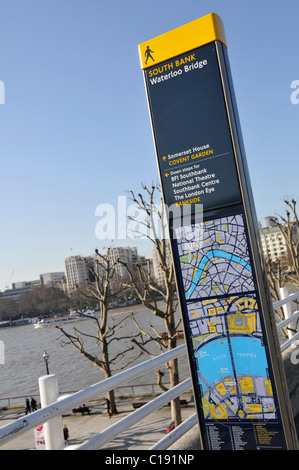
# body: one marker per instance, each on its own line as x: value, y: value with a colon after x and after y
x: 108, y: 407
x: 33, y: 404
x: 27, y: 407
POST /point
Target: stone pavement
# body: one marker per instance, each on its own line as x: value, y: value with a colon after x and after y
x: 140, y: 437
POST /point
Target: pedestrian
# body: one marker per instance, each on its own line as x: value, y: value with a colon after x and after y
x: 108, y: 407
x: 65, y: 434
x: 27, y: 407
x: 33, y: 404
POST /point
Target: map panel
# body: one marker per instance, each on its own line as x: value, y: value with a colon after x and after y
x: 214, y: 258
x: 224, y: 321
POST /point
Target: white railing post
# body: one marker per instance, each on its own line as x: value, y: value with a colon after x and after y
x: 48, y: 388
x: 287, y: 310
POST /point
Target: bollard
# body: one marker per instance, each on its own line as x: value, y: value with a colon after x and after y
x: 48, y: 387
x: 287, y: 310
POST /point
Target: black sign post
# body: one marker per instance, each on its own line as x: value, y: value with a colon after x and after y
x: 235, y: 364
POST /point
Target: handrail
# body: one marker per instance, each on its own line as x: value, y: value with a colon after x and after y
x: 288, y: 299
x: 98, y: 440
x: 285, y: 322
x: 71, y: 392
x: 174, y: 435
x: 288, y: 343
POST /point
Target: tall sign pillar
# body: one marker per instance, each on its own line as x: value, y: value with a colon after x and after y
x: 237, y: 373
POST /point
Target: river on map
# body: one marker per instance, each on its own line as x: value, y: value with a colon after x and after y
x: 24, y: 363
x: 215, y: 359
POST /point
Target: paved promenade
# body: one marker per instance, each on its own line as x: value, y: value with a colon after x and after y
x: 140, y: 437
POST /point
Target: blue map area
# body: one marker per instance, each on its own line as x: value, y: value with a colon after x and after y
x: 206, y: 259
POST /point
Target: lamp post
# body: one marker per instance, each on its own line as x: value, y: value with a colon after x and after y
x: 46, y: 358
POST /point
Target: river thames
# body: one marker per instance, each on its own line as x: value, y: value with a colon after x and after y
x: 24, y: 364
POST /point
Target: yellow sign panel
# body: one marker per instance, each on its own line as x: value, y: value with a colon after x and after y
x: 190, y: 36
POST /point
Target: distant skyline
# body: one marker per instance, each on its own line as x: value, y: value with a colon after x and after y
x: 74, y: 123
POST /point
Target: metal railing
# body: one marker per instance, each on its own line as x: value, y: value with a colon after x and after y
x: 64, y: 404
x: 290, y: 317
x: 123, y: 391
x: 31, y: 421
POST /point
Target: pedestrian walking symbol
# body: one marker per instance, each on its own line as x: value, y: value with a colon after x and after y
x: 148, y: 54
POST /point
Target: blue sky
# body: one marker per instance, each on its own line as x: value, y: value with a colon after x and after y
x: 75, y: 130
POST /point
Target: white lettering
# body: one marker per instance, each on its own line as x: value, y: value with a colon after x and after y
x: 295, y: 357
x: 2, y: 353
x: 196, y: 65
x: 105, y: 228
x: 116, y: 460
x: 295, y: 95
x: 2, y: 92
x: 162, y: 78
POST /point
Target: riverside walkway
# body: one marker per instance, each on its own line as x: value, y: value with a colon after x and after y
x: 140, y: 437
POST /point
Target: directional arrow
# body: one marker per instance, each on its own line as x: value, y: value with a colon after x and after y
x: 164, y: 158
x: 166, y: 174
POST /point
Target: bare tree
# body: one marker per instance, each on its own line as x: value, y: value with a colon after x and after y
x: 149, y: 292
x: 102, y: 271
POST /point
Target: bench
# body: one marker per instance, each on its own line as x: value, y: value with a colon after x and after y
x: 82, y: 410
x: 182, y: 402
x: 138, y: 404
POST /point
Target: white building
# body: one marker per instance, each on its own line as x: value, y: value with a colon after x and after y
x: 52, y: 279
x: 19, y: 288
x: 273, y: 242
x: 76, y: 272
x: 56, y: 279
x: 127, y: 255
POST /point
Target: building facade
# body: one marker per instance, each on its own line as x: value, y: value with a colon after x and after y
x: 76, y: 272
x: 127, y: 255
x: 19, y: 288
x: 158, y: 271
x: 57, y: 280
x: 274, y: 245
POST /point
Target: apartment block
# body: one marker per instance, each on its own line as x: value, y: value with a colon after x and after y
x: 76, y: 272
x: 273, y: 242
x: 158, y: 271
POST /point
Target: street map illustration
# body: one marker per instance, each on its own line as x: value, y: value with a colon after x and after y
x: 224, y: 321
x: 214, y: 258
